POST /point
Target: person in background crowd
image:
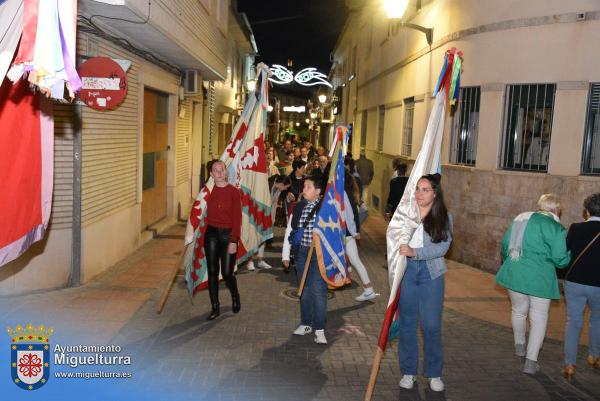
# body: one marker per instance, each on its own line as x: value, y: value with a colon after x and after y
x: 349, y: 163
x: 397, y: 186
x: 287, y: 169
x: 224, y: 221
x: 351, y: 199
x: 321, y: 151
x: 313, y: 168
x: 296, y: 143
x: 364, y: 168
x: 323, y: 160
x: 297, y: 178
x: 304, y: 154
x: 272, y: 168
x: 282, y: 151
x: 582, y: 285
x: 422, y: 287
x: 533, y: 245
x: 297, y: 154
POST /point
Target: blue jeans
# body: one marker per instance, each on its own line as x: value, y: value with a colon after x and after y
x: 421, y: 298
x: 577, y: 296
x: 313, y: 304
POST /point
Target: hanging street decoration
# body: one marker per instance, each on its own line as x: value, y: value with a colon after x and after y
x: 306, y: 77
x: 46, y: 53
x: 281, y: 75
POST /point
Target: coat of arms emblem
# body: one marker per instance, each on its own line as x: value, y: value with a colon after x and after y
x: 30, y: 355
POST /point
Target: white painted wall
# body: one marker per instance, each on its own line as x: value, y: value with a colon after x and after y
x: 502, y: 52
x: 109, y: 240
x: 46, y: 265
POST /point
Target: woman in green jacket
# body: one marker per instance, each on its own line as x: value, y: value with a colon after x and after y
x: 532, y: 247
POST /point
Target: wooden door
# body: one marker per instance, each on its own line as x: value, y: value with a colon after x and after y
x: 154, y: 182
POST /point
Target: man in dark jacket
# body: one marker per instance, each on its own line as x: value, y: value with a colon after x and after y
x: 397, y: 186
x: 364, y: 168
x: 295, y: 190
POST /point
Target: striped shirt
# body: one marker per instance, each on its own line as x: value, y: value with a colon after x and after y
x: 308, y: 227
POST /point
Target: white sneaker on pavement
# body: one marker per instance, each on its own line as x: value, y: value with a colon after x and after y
x: 263, y: 265
x: 367, y: 294
x: 320, y: 337
x: 436, y: 384
x: 302, y: 330
x: 407, y: 381
x: 250, y: 265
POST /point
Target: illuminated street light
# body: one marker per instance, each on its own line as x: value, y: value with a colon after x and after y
x: 395, y: 8
x: 307, y: 120
x: 251, y: 85
x: 297, y: 124
x: 269, y: 108
x: 322, y: 98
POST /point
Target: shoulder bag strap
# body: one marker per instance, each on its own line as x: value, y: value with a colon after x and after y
x: 310, y: 215
x: 581, y: 254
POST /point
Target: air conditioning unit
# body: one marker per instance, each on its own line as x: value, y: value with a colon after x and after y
x: 190, y: 81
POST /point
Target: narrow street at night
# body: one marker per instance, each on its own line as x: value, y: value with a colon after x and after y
x: 315, y: 200
x: 253, y: 355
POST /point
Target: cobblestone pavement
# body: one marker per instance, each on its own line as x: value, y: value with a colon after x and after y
x: 253, y: 355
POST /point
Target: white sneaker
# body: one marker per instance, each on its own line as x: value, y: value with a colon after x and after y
x: 320, y: 337
x: 263, y: 265
x: 436, y: 384
x: 407, y: 381
x: 367, y: 294
x: 250, y: 265
x: 302, y: 330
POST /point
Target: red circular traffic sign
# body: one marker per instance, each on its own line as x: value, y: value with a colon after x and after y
x: 104, y: 83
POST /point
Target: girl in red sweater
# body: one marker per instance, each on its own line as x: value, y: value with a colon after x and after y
x: 224, y: 220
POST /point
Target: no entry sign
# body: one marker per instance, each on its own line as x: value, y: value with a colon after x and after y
x: 104, y: 83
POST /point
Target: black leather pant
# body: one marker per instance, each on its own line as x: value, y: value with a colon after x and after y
x: 216, y: 244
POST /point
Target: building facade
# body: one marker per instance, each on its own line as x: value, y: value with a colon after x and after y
x: 527, y: 121
x: 122, y: 174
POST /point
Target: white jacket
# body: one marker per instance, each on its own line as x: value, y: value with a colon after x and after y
x: 286, y: 250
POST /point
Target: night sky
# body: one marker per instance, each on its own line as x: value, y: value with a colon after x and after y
x: 303, y: 30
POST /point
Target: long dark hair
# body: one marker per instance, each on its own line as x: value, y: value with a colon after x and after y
x: 436, y: 222
x: 351, y: 187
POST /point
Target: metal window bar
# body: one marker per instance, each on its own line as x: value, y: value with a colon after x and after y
x: 409, y: 113
x: 529, y: 111
x: 466, y: 127
x: 380, y: 128
x: 523, y: 128
x: 591, y: 140
x: 507, y: 141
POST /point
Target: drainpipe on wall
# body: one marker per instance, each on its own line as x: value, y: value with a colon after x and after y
x: 211, y: 117
x: 75, y: 279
